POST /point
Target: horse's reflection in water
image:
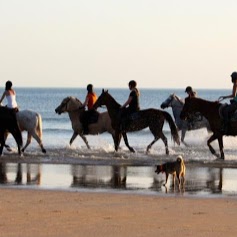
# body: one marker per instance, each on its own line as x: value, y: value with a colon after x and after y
x: 89, y: 177
x: 33, y: 174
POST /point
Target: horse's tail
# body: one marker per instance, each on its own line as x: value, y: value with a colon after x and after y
x: 39, y: 126
x: 173, y: 127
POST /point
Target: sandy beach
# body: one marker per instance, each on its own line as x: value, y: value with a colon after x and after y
x: 58, y: 213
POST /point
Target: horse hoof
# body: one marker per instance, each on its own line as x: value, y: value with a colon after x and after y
x: 44, y: 151
x: 132, y: 150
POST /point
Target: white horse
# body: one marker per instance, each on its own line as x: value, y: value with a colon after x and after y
x: 31, y: 122
x: 71, y: 105
x: 177, y: 104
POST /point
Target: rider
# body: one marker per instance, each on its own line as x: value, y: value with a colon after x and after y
x: 132, y: 104
x: 233, y: 102
x: 191, y: 93
x: 91, y: 98
x: 192, y: 118
x: 10, y: 95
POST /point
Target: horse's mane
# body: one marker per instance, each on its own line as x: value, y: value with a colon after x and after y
x: 112, y: 98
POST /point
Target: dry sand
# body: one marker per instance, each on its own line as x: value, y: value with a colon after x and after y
x: 58, y: 213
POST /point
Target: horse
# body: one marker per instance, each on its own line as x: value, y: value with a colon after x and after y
x: 72, y: 105
x: 31, y: 122
x: 152, y: 118
x: 8, y: 123
x: 211, y: 111
x: 176, y: 104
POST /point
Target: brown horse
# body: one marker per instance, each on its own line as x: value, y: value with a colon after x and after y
x: 210, y: 110
x: 8, y: 123
x: 152, y: 118
x: 71, y: 106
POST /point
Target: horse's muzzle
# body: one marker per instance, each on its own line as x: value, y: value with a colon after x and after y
x: 163, y: 106
x: 57, y: 111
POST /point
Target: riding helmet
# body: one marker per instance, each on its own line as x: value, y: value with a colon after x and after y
x: 132, y: 83
x: 188, y: 89
x: 234, y: 76
x: 89, y: 88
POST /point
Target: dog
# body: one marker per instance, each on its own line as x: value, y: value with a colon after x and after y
x: 176, y: 168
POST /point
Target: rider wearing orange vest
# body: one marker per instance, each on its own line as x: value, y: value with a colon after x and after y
x: 90, y: 100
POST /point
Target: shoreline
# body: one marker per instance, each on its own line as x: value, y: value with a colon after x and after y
x: 59, y: 213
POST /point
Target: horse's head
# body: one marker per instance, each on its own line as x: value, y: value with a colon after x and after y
x: 68, y: 104
x: 172, y: 101
x: 101, y: 99
x: 167, y: 102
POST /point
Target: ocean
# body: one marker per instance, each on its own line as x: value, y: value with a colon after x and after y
x: 77, y: 168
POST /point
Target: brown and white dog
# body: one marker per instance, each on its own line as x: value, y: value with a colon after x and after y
x: 176, y: 168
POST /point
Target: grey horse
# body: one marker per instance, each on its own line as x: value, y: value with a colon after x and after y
x: 177, y: 104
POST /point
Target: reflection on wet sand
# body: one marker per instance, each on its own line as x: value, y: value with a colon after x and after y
x: 14, y: 175
x: 85, y: 176
x: 198, y: 180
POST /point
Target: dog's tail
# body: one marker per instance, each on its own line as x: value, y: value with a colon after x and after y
x: 181, y: 161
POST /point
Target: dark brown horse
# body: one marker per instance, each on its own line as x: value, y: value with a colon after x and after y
x: 152, y: 118
x: 8, y: 123
x: 210, y: 110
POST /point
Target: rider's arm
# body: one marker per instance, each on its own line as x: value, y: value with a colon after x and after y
x: 234, y: 90
x: 85, y: 103
x: 127, y: 102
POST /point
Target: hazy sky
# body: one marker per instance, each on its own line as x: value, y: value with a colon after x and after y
x: 160, y: 44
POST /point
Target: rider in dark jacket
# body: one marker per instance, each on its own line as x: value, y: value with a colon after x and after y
x: 232, y: 106
x: 131, y: 106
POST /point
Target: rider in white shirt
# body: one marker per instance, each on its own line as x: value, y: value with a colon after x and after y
x: 10, y: 95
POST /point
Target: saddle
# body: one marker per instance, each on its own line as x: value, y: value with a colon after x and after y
x: 233, y: 116
x: 193, y: 120
x: 90, y: 116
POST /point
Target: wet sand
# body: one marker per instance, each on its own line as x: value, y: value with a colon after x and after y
x: 58, y: 213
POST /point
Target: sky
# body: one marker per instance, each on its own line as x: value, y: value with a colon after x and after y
x: 160, y: 44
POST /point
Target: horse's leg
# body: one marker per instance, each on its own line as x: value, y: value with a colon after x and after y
x: 2, y: 142
x: 211, y: 139
x: 183, y: 132
x: 157, y: 137
x: 74, y: 135
x: 125, y: 138
x: 38, y: 139
x: 117, y: 139
x: 85, y: 140
x: 150, y: 145
x: 5, y: 138
x: 220, y: 141
x: 28, y: 141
